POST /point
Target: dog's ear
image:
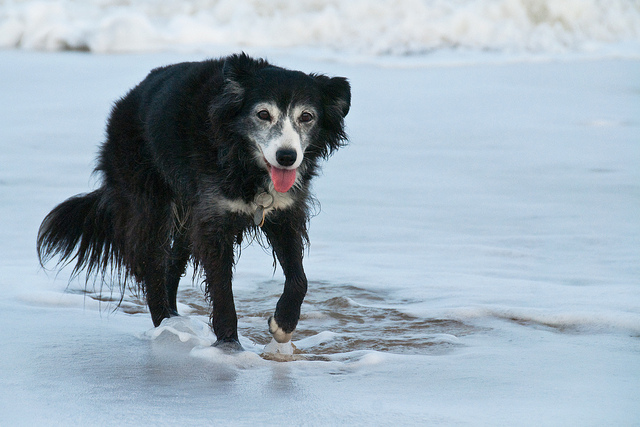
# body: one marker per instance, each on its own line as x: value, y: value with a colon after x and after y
x: 336, y: 99
x: 336, y: 94
x: 236, y: 69
x: 226, y: 104
x: 239, y: 68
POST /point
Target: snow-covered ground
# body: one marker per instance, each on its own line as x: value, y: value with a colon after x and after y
x: 476, y: 258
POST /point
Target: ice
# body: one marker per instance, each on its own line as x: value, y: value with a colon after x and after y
x: 474, y: 261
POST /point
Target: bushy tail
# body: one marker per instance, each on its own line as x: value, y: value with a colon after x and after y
x: 79, y: 228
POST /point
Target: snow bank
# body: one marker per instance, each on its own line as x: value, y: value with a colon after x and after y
x: 357, y: 26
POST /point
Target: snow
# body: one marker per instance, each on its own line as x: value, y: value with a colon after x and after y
x: 475, y: 259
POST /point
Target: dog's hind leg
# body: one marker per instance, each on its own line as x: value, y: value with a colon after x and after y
x: 151, y: 271
x: 148, y: 247
x: 175, y: 269
x: 287, y: 244
x: 156, y: 293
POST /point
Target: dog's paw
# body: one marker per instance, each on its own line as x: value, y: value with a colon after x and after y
x: 229, y: 345
x: 278, y: 333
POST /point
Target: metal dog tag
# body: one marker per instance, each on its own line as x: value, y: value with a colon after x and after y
x: 258, y: 217
x: 261, y: 201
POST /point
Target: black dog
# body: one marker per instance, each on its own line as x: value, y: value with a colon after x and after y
x: 197, y: 156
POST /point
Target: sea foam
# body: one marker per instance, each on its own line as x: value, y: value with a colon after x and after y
x: 386, y: 27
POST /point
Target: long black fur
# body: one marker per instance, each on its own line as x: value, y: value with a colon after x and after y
x: 176, y: 148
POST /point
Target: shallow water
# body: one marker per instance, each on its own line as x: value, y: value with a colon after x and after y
x: 336, y: 318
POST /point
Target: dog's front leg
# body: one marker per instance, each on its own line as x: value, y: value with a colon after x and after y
x: 286, y: 241
x: 214, y: 252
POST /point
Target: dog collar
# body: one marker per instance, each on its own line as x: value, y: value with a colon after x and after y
x: 263, y: 201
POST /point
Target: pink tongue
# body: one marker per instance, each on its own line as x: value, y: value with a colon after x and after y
x: 283, y: 179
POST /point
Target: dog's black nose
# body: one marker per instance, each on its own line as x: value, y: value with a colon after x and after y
x: 286, y: 157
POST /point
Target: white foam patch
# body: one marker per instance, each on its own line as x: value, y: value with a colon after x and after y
x: 361, y: 358
x: 316, y: 340
x: 352, y: 302
x: 314, y: 315
x: 577, y: 320
x: 185, y: 309
x: 185, y: 329
x: 274, y: 347
x: 242, y: 360
x: 444, y: 339
x: 62, y: 300
x: 195, y: 334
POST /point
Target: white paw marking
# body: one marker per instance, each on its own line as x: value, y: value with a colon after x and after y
x: 278, y: 334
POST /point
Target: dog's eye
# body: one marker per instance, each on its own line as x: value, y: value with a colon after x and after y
x: 306, y: 117
x: 264, y: 115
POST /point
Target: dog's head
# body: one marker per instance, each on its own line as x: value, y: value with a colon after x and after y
x: 289, y: 117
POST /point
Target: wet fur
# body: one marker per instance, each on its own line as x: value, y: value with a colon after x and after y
x: 180, y: 176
